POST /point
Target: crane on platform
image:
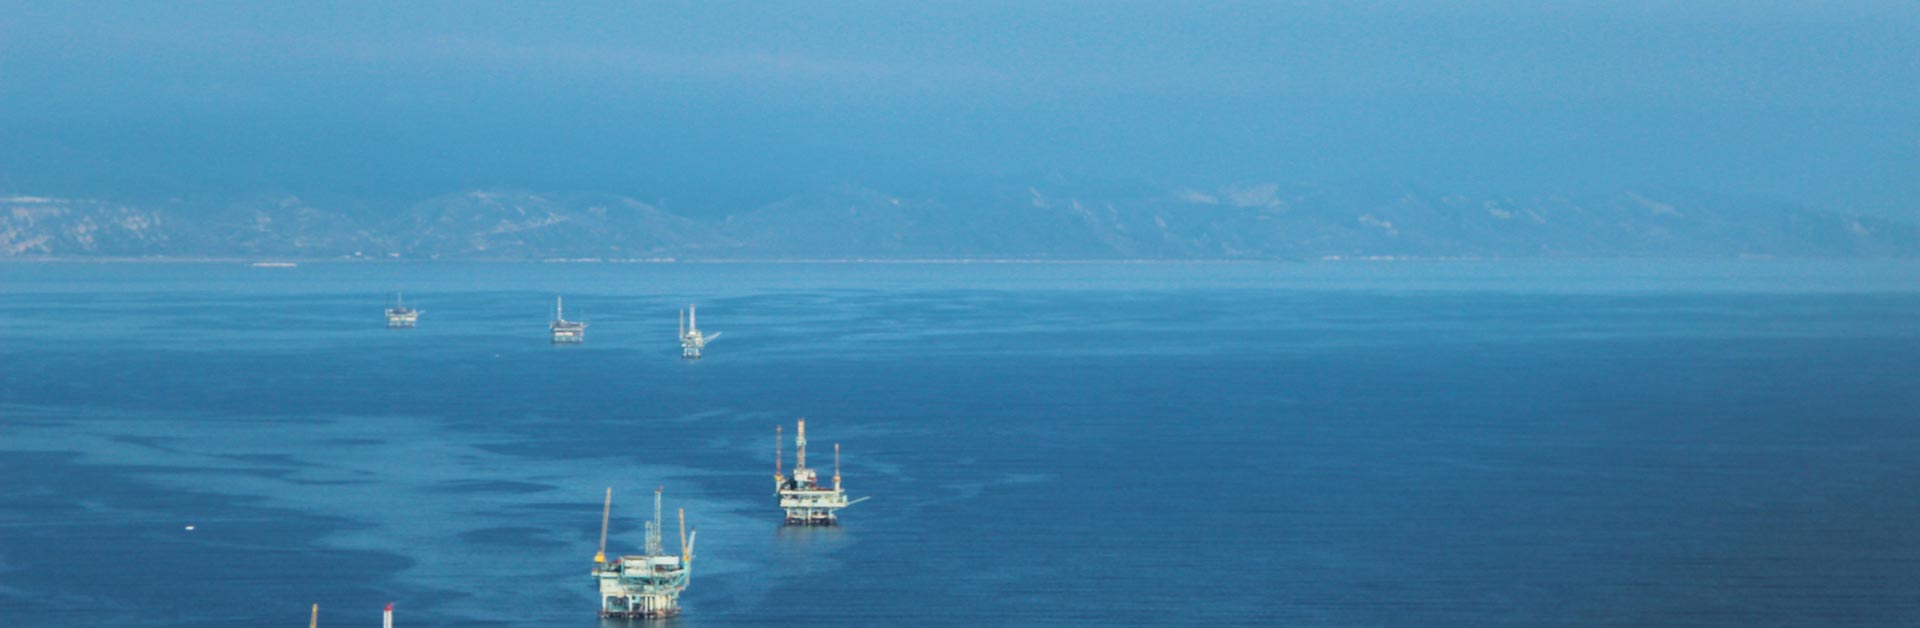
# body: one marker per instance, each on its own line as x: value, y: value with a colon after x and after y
x: 606, y: 511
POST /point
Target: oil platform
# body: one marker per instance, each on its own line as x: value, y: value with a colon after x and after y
x: 691, y: 340
x: 566, y: 332
x: 646, y: 585
x: 806, y: 502
x: 386, y: 619
x: 400, y: 316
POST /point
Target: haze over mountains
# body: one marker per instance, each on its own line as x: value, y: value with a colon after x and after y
x: 1050, y: 219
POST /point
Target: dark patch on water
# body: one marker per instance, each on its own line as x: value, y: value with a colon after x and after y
x: 481, y: 487
x: 506, y: 536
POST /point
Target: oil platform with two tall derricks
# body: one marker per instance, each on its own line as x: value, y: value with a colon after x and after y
x: 806, y: 502
x: 645, y: 585
x: 400, y: 316
x: 566, y: 332
x: 691, y: 340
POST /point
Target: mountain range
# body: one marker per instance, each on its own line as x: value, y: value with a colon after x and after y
x: 1047, y: 220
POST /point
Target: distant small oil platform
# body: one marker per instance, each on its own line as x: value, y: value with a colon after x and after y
x: 801, y: 496
x: 692, y: 342
x: 646, y: 585
x: 566, y: 332
x: 386, y: 619
x: 400, y: 316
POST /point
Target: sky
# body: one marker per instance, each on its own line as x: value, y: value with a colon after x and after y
x: 716, y: 103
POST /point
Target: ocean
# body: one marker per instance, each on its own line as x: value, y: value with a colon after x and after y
x: 1364, y: 444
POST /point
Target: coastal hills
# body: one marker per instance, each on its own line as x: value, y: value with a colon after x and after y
x: 1040, y: 221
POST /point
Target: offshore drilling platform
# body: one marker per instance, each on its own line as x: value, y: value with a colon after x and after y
x: 566, y: 332
x: 646, y: 585
x: 801, y: 496
x: 386, y: 619
x: 400, y: 316
x: 691, y: 341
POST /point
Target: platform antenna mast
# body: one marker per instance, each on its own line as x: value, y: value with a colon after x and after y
x: 779, y: 452
x: 800, y: 441
x: 836, y: 466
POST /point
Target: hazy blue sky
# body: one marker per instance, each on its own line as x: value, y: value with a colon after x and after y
x: 1817, y: 103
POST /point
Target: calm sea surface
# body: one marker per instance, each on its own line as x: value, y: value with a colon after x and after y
x: 1341, y: 444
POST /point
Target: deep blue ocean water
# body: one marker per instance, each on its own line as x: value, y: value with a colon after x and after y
x: 1338, y: 444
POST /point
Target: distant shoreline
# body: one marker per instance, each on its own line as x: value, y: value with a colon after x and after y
x: 267, y: 262
x: 332, y: 260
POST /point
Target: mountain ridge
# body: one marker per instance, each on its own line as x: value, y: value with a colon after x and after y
x: 1039, y: 220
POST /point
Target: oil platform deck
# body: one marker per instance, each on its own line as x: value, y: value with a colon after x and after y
x: 692, y: 342
x: 566, y: 332
x: 400, y: 316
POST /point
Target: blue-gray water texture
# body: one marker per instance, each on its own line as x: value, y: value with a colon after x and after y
x: 1342, y: 444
